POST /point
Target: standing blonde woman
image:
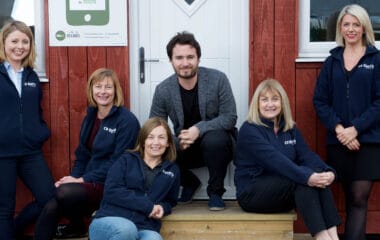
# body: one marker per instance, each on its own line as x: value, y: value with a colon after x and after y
x: 347, y: 101
x: 23, y: 130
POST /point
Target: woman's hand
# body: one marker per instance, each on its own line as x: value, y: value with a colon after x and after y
x: 321, y: 180
x: 346, y: 135
x: 68, y: 179
x: 157, y: 212
x: 354, y: 145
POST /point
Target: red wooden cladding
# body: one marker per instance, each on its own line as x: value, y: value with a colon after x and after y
x: 273, y: 51
x: 261, y: 42
x: 59, y: 111
x: 283, y: 45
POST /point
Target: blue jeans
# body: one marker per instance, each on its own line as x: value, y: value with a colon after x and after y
x: 34, y: 173
x: 119, y: 228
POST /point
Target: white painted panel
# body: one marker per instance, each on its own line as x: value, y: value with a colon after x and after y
x: 220, y: 26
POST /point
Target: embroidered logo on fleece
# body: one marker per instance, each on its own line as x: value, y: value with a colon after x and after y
x: 30, y: 84
x: 367, y: 66
x: 110, y: 130
x: 290, y: 142
x: 170, y: 174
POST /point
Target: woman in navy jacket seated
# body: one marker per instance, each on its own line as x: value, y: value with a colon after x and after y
x: 141, y: 187
x: 107, y: 131
x: 275, y: 169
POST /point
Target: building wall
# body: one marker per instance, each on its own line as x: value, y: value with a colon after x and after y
x: 273, y: 51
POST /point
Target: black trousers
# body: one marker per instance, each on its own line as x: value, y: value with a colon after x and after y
x: 272, y: 193
x: 213, y: 150
x: 73, y: 201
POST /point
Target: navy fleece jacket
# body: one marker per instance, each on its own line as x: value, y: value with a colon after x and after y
x: 22, y: 129
x: 125, y: 194
x: 260, y: 151
x: 117, y: 133
x: 350, y: 99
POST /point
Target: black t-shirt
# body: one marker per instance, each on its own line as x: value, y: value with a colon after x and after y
x: 190, y: 106
x: 150, y: 173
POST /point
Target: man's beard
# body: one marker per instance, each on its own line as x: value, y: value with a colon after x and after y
x: 192, y: 73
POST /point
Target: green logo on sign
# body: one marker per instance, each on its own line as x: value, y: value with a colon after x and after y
x: 60, y: 35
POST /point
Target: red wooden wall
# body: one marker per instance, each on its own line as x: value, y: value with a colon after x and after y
x: 273, y: 51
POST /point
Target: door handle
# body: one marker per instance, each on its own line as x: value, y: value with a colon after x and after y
x: 152, y: 60
x: 142, y: 62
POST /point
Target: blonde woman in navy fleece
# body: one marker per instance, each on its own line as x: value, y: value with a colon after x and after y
x: 347, y: 101
x: 275, y: 169
x: 23, y: 130
x: 107, y: 131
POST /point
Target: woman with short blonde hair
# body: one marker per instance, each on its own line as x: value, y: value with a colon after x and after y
x: 270, y: 85
x: 275, y: 169
x: 107, y: 131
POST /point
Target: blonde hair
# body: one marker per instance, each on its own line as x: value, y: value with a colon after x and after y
x: 270, y: 85
x: 146, y: 129
x: 97, y: 76
x: 361, y: 14
x: 10, y: 27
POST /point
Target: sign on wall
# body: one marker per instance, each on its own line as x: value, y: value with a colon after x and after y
x: 87, y: 23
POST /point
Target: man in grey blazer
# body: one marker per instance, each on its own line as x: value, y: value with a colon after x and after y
x: 201, y: 106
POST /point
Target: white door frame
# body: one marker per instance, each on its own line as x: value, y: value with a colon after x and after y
x: 133, y: 20
x: 242, y: 65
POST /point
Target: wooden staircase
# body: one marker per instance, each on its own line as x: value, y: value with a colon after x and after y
x: 195, y: 221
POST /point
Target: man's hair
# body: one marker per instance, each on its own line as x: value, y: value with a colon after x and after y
x: 183, y: 38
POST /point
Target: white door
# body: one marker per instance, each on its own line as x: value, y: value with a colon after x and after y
x: 221, y: 28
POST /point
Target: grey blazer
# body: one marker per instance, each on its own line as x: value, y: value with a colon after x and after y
x: 216, y: 102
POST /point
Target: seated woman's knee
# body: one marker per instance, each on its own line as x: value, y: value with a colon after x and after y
x: 62, y: 191
x: 114, y: 228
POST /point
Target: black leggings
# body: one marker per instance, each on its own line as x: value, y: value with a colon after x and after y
x: 73, y: 201
x: 273, y: 193
x: 357, y: 194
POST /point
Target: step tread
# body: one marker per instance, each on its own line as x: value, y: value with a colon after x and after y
x: 198, y: 211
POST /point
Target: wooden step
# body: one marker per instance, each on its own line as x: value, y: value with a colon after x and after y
x: 195, y: 221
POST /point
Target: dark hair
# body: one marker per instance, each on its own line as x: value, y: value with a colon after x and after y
x: 183, y: 38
